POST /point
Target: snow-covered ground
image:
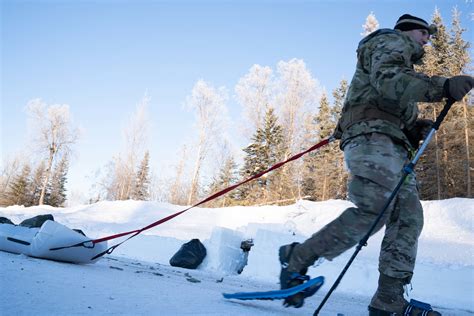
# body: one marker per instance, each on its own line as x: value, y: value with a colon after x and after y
x: 137, y: 279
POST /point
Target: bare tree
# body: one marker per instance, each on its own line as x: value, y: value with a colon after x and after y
x: 122, y: 172
x: 11, y: 168
x: 54, y: 134
x: 178, y: 186
x: 208, y: 104
x: 371, y: 24
x: 298, y: 94
x: 254, y: 92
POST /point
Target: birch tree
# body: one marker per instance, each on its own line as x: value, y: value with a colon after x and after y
x: 10, y: 169
x: 208, y: 104
x: 178, y: 188
x: 254, y: 92
x: 53, y: 134
x: 122, y: 171
x: 297, y: 97
x: 38, y: 176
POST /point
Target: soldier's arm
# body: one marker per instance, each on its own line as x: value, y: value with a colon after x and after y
x: 392, y: 75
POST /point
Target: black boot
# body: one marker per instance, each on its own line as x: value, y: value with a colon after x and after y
x: 389, y: 300
x: 414, y: 308
x: 290, y: 278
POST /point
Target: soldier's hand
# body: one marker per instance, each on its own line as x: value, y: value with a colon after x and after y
x: 424, y: 127
x: 419, y: 131
x: 458, y: 86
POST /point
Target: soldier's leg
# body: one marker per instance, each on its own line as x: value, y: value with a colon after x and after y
x: 399, y: 248
x: 375, y: 163
x: 400, y: 243
x: 347, y: 229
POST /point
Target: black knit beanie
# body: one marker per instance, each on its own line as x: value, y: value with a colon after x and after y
x: 409, y: 22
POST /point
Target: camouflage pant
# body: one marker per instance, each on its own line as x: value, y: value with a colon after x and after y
x: 375, y: 163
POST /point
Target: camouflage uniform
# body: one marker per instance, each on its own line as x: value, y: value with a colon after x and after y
x: 379, y: 107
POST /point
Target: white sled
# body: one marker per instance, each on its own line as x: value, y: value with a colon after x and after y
x: 38, y: 242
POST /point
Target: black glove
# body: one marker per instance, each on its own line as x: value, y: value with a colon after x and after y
x: 419, y: 131
x: 458, y: 86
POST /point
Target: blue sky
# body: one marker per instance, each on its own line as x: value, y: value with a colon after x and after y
x: 101, y: 56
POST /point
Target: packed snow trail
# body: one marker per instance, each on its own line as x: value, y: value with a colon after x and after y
x: 443, y: 272
x: 119, y: 286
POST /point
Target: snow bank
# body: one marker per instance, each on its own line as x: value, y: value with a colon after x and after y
x: 445, y: 259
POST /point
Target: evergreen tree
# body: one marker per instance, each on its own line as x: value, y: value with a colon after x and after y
x: 325, y: 177
x: 18, y: 192
x: 340, y: 174
x: 57, y: 185
x: 37, y: 183
x: 264, y: 151
x: 315, y: 161
x: 462, y: 153
x: 141, y: 189
x: 459, y: 47
x: 444, y: 170
x: 227, y: 176
x: 320, y: 165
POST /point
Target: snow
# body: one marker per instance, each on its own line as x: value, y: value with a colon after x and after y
x: 136, y: 278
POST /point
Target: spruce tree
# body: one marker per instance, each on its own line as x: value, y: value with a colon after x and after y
x: 226, y: 177
x: 339, y: 189
x: 141, y: 189
x: 57, y: 187
x: 265, y: 150
x: 462, y: 151
x: 36, y: 184
x: 444, y: 170
x: 18, y: 191
x: 320, y: 165
x: 325, y: 176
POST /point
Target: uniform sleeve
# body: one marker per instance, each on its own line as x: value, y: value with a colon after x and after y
x: 392, y: 74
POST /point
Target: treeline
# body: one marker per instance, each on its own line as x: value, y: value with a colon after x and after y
x: 445, y: 171
x: 285, y: 111
x: 25, y: 187
x: 447, y: 168
x: 320, y: 175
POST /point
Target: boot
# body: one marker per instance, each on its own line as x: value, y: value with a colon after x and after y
x: 389, y: 300
x: 414, y: 308
x: 290, y: 278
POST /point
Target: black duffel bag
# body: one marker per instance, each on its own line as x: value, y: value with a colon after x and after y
x: 190, y: 255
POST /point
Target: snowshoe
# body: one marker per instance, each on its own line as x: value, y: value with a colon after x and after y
x: 414, y: 308
x: 289, y: 279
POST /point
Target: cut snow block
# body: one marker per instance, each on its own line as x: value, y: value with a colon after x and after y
x: 37, y: 242
x: 225, y: 253
x: 190, y: 255
x: 265, y: 249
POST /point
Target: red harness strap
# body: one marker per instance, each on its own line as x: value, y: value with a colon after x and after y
x: 212, y: 197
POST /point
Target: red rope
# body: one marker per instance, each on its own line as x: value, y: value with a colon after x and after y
x: 212, y: 197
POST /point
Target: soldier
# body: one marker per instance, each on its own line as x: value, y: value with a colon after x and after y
x: 378, y: 129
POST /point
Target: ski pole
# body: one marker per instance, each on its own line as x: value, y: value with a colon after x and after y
x: 406, y: 171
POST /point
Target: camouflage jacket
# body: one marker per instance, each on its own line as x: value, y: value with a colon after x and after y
x: 385, y: 89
